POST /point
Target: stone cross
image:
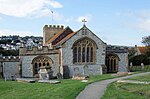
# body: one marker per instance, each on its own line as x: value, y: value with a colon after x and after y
x: 84, y: 21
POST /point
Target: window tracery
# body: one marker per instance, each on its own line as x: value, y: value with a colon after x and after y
x: 84, y: 51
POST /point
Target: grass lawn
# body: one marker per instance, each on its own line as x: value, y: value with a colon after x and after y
x: 129, y: 91
x: 139, y: 68
x: 67, y: 89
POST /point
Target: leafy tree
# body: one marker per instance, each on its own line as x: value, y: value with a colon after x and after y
x: 131, y: 53
x: 146, y: 40
x: 137, y: 60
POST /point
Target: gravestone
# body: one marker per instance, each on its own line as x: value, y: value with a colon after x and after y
x: 142, y: 66
x: 59, y: 76
x: 76, y: 71
x: 66, y: 72
x: 45, y: 73
x: 44, y: 76
x: 86, y: 70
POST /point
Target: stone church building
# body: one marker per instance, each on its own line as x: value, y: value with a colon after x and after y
x: 72, y: 53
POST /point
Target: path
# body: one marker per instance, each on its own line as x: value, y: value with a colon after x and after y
x: 97, y: 89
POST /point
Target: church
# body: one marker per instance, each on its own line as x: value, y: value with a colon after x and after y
x: 71, y: 53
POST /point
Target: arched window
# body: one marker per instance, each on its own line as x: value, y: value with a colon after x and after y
x: 112, y: 62
x: 84, y: 51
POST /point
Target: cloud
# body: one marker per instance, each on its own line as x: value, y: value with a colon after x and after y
x: 86, y: 17
x: 144, y: 25
x: 70, y: 19
x: 143, y: 21
x: 127, y: 14
x: 144, y: 14
x: 23, y: 8
x: 137, y: 20
x: 47, y: 12
x: 7, y: 32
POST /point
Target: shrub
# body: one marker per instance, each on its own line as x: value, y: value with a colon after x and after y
x: 137, y: 60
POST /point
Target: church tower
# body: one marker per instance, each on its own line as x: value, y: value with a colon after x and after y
x: 49, y: 31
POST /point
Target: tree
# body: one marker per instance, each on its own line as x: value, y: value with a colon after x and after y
x: 131, y: 53
x: 146, y: 40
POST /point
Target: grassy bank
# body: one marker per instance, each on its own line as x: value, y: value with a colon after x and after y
x: 139, y: 68
x: 129, y: 91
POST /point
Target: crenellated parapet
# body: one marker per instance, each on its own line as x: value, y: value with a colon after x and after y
x: 9, y: 59
x: 55, y: 27
x: 36, y: 51
x: 116, y: 49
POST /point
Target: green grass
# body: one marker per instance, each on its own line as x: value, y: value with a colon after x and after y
x: 67, y: 89
x: 129, y: 91
x: 141, y: 78
x: 138, y: 68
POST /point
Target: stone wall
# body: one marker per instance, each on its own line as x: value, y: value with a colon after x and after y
x: 123, y: 63
x: 10, y: 69
x: 67, y: 54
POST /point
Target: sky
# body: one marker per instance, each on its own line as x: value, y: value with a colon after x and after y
x: 116, y: 22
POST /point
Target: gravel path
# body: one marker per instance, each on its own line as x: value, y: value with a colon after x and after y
x: 97, y: 89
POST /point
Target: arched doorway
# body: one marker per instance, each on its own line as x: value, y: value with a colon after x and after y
x: 40, y: 61
x: 112, y: 61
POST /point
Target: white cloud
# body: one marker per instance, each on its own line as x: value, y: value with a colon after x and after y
x: 23, y: 8
x: 144, y: 14
x: 70, y: 19
x: 7, y: 32
x: 138, y: 20
x: 86, y: 17
x: 47, y: 12
x: 54, y: 4
x: 143, y: 21
x: 127, y: 14
x: 144, y: 25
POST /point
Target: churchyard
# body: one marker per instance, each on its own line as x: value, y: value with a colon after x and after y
x: 69, y: 89
x: 128, y: 90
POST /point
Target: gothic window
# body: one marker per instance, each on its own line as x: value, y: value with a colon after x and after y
x: 84, y: 51
x: 112, y: 63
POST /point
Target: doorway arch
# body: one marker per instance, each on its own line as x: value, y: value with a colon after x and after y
x: 41, y: 61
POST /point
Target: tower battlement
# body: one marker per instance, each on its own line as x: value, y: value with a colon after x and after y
x: 50, y: 30
x: 53, y: 27
x: 36, y: 51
